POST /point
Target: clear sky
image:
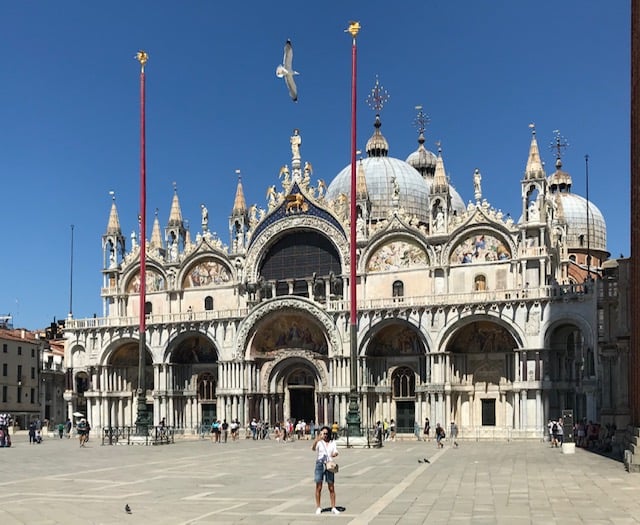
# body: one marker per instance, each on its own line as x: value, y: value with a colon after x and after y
x: 69, y: 112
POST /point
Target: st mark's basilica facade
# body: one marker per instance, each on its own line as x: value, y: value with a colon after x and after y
x: 464, y: 313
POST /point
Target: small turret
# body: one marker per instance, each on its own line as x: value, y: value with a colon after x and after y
x: 239, y: 220
x: 175, y: 232
x: 113, y: 242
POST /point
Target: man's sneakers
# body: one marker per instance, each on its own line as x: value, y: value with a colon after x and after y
x: 335, y: 511
x: 319, y: 510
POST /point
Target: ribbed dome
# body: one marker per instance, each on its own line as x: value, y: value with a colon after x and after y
x: 379, y: 174
x: 573, y: 209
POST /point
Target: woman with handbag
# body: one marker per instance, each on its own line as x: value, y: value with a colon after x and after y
x: 326, y: 450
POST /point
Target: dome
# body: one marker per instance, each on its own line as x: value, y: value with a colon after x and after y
x: 389, y: 179
x: 379, y: 174
x: 422, y: 159
x: 573, y: 210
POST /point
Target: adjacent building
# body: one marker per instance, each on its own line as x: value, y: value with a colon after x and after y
x: 20, y: 376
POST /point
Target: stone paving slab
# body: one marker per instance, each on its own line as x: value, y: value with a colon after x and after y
x: 198, y: 482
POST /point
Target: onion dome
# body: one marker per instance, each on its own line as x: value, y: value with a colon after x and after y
x: 377, y: 145
x: 423, y: 160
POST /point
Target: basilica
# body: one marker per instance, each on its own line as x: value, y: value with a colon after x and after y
x: 463, y: 313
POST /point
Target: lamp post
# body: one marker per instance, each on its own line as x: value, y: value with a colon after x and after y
x: 142, y: 420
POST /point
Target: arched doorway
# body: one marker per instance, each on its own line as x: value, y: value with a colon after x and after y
x: 301, y: 386
x: 404, y: 395
x: 482, y: 370
x: 190, y: 400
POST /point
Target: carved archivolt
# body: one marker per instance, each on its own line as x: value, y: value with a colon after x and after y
x: 275, y: 305
x: 308, y: 222
x: 267, y: 370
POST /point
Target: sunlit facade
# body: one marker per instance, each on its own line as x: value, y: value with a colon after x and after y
x: 464, y: 313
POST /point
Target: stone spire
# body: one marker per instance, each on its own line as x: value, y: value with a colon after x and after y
x: 175, y: 215
x: 361, y: 183
x: 239, y: 203
x: 440, y: 182
x: 156, y: 237
x: 113, y: 227
x: 534, y: 169
x: 113, y: 242
x: 239, y: 220
x: 175, y: 232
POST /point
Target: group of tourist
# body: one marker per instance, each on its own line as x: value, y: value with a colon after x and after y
x: 5, y: 438
x: 439, y: 433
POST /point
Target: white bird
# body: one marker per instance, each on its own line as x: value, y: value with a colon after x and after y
x: 285, y: 70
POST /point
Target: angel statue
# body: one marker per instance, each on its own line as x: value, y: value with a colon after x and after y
x: 253, y: 215
x: 284, y: 175
x: 271, y: 196
x: 322, y: 188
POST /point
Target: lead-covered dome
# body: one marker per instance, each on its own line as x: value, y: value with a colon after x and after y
x: 390, y: 181
x: 572, y: 210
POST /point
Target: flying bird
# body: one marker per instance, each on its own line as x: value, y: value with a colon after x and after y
x: 286, y: 71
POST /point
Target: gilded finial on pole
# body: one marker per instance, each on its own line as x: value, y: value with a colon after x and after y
x: 142, y: 57
x: 354, y: 28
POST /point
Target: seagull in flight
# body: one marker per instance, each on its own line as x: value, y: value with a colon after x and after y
x: 286, y: 71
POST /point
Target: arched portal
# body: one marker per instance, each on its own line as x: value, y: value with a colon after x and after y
x: 395, y: 361
x: 192, y: 377
x: 119, y: 385
x: 292, y: 386
x: 482, y: 370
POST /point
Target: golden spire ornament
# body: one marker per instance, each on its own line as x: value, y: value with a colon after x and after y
x: 142, y: 57
x: 354, y: 28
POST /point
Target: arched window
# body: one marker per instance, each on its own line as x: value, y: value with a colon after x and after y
x: 208, y: 303
x: 404, y: 383
x: 398, y: 289
x: 148, y: 308
x: 480, y: 283
x: 206, y: 387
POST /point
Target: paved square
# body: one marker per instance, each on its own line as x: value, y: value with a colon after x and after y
x: 198, y: 482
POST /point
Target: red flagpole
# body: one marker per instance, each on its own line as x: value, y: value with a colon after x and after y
x: 142, y: 420
x: 352, y: 277
x: 143, y: 202
x: 353, y: 414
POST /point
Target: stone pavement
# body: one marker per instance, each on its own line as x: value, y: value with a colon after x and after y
x: 197, y: 482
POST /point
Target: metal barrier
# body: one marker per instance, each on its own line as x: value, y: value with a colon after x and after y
x: 158, y: 435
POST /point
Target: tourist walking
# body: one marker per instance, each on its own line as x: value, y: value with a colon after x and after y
x: 427, y: 428
x: 326, y: 449
x: 453, y: 433
x: 440, y: 435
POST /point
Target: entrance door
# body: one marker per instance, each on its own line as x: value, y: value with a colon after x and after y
x: 405, y: 416
x: 208, y: 413
x: 488, y: 412
x: 302, y: 403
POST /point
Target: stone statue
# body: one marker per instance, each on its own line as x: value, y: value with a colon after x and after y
x: 205, y: 217
x: 477, y: 187
x: 134, y: 240
x: 295, y: 140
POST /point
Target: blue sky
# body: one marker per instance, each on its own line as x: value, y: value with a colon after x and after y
x: 483, y: 71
